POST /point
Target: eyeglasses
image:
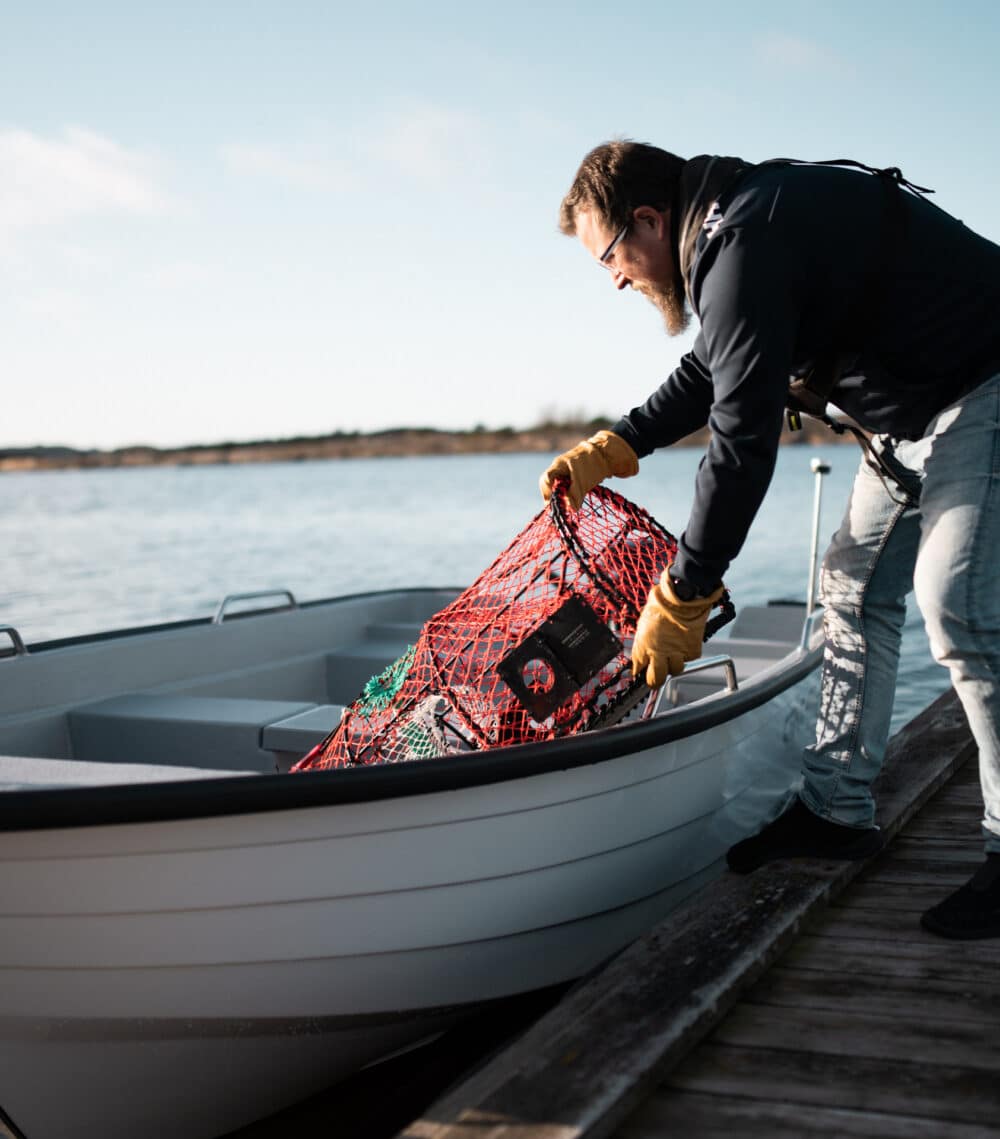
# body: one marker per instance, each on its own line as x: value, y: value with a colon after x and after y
x: 619, y: 237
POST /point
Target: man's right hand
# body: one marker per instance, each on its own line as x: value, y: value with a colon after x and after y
x: 590, y: 463
x: 670, y: 631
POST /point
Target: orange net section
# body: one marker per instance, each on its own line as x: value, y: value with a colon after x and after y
x: 537, y: 647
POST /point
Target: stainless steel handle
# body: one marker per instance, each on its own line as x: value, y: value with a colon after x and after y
x: 809, y: 627
x: 233, y: 598
x: 668, y: 693
x: 18, y: 649
x: 819, y: 469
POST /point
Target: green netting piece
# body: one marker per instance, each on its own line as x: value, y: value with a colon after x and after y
x: 379, y: 692
x: 421, y: 735
x: 419, y: 742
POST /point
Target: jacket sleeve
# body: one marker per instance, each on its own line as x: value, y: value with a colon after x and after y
x: 747, y: 295
x: 679, y: 406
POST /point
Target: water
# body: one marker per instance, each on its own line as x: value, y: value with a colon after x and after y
x: 94, y: 550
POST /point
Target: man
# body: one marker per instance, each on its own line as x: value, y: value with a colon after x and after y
x: 848, y: 282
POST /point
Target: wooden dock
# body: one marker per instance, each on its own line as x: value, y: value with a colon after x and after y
x: 802, y: 1000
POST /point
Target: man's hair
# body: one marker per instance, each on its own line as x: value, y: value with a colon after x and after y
x: 617, y: 177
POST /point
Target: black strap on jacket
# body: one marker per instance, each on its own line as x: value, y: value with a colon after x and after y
x: 810, y: 394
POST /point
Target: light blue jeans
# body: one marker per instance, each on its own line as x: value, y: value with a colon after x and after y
x: 940, y: 536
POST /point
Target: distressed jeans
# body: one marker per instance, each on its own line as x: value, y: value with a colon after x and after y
x: 938, y: 534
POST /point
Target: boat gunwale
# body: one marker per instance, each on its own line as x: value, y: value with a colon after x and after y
x: 37, y: 647
x: 171, y: 801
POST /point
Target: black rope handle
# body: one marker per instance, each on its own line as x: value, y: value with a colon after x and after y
x: 727, y: 612
x: 566, y: 531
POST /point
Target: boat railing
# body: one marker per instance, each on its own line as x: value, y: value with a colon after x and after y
x: 17, y: 646
x: 669, y: 693
x: 239, y: 598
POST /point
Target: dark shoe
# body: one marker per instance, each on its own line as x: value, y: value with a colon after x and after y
x: 798, y: 833
x: 973, y: 911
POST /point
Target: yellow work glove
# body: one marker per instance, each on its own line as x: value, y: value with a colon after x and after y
x: 670, y: 632
x: 588, y: 464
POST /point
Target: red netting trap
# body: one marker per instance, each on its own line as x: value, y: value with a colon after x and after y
x: 537, y: 647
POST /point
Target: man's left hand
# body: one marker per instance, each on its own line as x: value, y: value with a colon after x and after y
x: 670, y: 632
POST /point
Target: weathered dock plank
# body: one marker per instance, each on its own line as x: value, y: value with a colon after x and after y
x: 825, y: 1079
x: 874, y: 923
x: 889, y: 939
x: 878, y: 895
x: 891, y: 995
x: 582, y: 1068
x: 860, y: 1034
x: 968, y: 795
x: 946, y: 848
x: 705, y: 1116
x: 926, y: 868
x: 940, y: 825
x: 915, y: 960
x: 945, y: 875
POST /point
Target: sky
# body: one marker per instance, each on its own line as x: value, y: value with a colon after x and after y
x: 235, y: 221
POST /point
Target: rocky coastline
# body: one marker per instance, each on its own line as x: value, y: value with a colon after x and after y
x: 395, y: 442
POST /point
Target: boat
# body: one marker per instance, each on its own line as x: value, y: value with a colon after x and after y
x: 196, y: 932
x: 192, y: 936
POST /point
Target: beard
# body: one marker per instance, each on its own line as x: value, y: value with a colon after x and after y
x: 671, y: 303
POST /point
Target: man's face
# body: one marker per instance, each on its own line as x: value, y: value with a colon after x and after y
x: 643, y: 260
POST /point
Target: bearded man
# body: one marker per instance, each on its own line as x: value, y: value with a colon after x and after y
x: 844, y: 282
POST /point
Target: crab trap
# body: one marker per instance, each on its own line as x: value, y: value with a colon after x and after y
x: 537, y: 647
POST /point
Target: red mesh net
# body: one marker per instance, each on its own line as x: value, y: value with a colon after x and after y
x: 537, y: 647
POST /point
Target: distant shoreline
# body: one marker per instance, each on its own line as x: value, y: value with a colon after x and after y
x: 398, y: 442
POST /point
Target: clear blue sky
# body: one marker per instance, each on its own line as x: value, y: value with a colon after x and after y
x: 225, y: 220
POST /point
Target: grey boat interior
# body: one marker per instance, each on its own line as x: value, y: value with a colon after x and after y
x: 252, y: 692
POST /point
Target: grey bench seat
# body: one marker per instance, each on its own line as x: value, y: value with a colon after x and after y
x: 349, y: 668
x: 299, y: 733
x: 402, y: 632
x: 30, y: 773
x: 748, y: 647
x: 777, y: 621
x: 219, y: 732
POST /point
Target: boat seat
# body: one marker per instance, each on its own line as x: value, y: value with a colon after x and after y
x: 750, y: 647
x: 31, y: 773
x: 350, y: 668
x: 777, y: 621
x: 220, y: 732
x: 404, y: 632
x: 291, y: 738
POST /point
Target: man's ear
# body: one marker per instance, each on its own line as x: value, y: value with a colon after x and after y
x: 656, y: 220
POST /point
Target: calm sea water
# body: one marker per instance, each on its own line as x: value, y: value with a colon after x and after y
x: 94, y: 550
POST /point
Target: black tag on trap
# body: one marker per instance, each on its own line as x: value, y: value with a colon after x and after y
x: 562, y: 654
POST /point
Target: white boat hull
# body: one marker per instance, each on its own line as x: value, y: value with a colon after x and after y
x: 183, y: 976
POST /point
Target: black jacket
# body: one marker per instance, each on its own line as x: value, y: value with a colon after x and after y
x: 775, y: 286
